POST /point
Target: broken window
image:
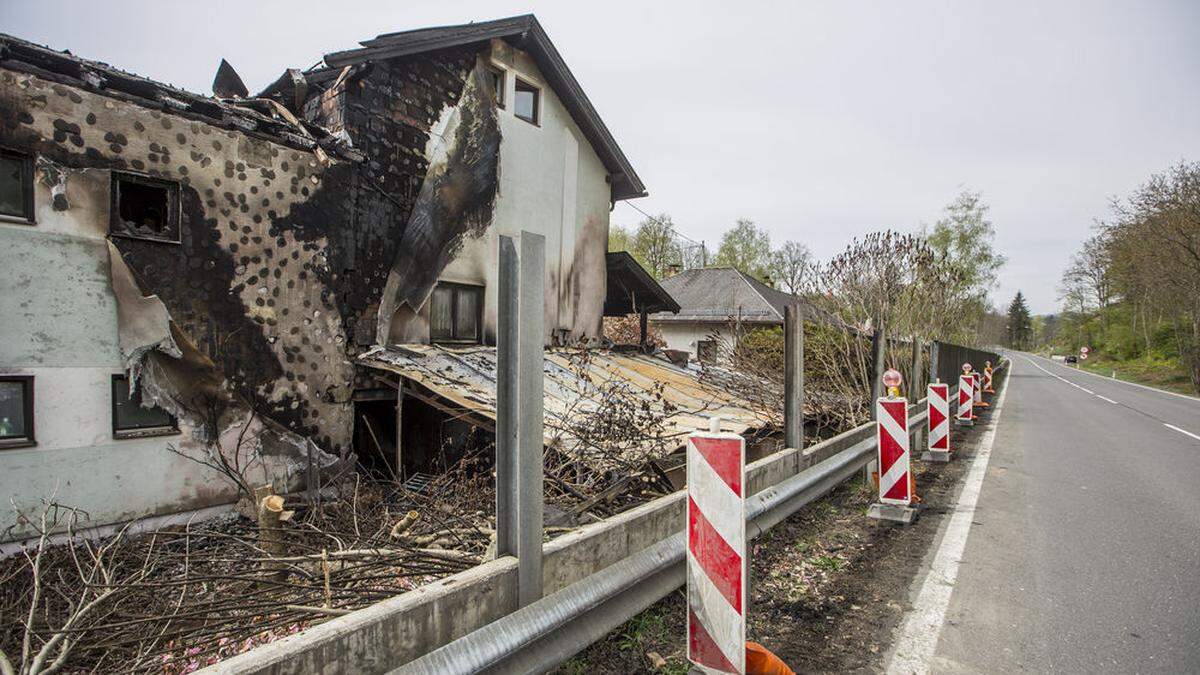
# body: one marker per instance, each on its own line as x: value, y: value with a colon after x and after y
x: 16, y: 411
x: 526, y: 105
x: 455, y: 313
x: 16, y: 186
x: 131, y: 420
x: 144, y: 208
x: 498, y: 84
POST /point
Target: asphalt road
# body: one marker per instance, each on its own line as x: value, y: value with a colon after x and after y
x: 1084, y: 552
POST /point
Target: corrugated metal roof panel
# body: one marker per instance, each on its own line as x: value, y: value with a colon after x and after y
x: 576, y: 382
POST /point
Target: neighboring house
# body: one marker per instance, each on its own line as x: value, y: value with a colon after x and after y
x: 186, y: 272
x: 715, y: 303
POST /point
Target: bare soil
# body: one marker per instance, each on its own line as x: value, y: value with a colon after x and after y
x: 828, y: 585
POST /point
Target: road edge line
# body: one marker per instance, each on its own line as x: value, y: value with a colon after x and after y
x: 921, y: 629
x: 1114, y: 379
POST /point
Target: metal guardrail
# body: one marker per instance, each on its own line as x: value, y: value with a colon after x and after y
x: 551, y: 630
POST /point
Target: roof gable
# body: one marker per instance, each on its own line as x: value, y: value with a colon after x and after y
x: 525, y: 33
x: 721, y: 293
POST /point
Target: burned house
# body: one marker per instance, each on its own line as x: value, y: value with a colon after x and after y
x: 184, y: 273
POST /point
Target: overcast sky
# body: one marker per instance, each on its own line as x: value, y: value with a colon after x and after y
x: 819, y: 120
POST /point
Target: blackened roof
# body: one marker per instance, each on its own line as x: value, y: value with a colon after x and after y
x: 254, y: 117
x: 526, y: 33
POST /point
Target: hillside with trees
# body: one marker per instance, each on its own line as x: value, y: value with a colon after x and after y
x: 1132, y: 291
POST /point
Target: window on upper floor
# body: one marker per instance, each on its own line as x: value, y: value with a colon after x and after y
x: 498, y: 84
x: 16, y: 411
x: 527, y: 101
x: 144, y: 208
x: 455, y: 313
x: 16, y: 186
x: 131, y: 420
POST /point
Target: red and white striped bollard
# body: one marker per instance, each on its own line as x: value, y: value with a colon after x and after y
x: 716, y: 558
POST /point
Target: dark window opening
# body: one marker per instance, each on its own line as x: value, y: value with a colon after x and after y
x: 375, y: 432
x: 526, y: 103
x: 131, y: 420
x: 16, y: 186
x: 16, y: 411
x: 144, y: 208
x: 498, y: 85
x: 455, y: 313
x: 706, y: 351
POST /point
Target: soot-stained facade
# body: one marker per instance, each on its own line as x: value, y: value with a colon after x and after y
x: 231, y: 257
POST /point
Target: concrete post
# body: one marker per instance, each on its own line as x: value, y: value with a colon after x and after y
x: 878, y: 354
x: 916, y: 388
x: 793, y: 377
x: 530, y: 390
x: 506, y: 398
x: 933, y: 360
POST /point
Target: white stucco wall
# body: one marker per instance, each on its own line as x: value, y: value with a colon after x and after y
x: 552, y: 183
x: 685, y: 336
x: 61, y: 327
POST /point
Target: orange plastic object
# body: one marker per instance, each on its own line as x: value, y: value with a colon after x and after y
x: 760, y: 661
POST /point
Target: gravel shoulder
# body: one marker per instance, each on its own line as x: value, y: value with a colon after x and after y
x: 828, y: 585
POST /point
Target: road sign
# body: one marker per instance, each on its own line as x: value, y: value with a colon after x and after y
x: 716, y: 559
x: 966, y: 399
x: 891, y: 438
x: 1085, y: 350
x: 938, y: 405
x: 1084, y: 356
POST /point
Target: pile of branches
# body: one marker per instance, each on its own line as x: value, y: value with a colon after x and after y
x: 179, y: 598
x: 607, y: 446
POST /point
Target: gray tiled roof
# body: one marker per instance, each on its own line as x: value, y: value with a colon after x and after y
x: 722, y: 293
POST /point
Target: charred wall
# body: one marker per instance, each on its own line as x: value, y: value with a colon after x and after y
x: 283, y: 251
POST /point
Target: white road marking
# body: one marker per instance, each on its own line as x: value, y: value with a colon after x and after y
x: 1105, y: 398
x: 1132, y: 384
x: 917, y: 640
x: 1182, y: 431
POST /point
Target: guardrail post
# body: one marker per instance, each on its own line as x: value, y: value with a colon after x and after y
x: 793, y: 377
x: 530, y: 391
x: 506, y: 398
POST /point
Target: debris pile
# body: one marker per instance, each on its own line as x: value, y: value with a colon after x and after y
x: 178, y: 598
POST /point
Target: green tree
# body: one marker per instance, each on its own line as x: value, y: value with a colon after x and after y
x: 966, y: 238
x: 656, y: 246
x: 619, y: 238
x: 746, y: 247
x: 1019, y: 329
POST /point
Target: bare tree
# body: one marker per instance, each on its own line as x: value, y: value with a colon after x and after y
x: 790, y: 266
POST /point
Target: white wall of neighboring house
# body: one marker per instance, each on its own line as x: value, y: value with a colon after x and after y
x: 685, y: 336
x: 553, y: 183
x: 61, y: 327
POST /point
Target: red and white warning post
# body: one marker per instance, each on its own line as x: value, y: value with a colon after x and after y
x: 716, y: 557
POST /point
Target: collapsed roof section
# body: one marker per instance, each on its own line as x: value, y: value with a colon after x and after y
x: 258, y: 117
x: 576, y: 385
x: 523, y: 32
